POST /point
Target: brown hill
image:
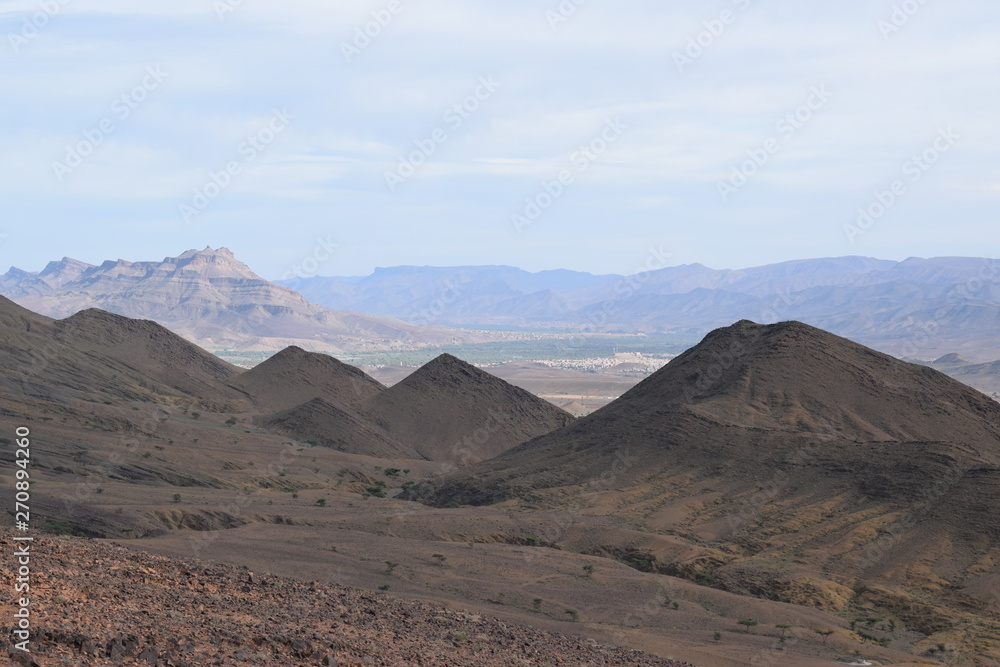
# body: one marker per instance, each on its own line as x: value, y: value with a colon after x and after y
x: 100, y: 355
x: 449, y: 410
x: 157, y: 353
x: 717, y: 405
x: 805, y: 467
x: 294, y: 376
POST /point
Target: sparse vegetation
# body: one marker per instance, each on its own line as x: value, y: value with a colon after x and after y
x: 717, y: 635
x: 390, y: 566
x: 867, y: 633
x: 573, y: 614
x: 441, y: 558
x: 589, y: 570
x: 60, y: 527
x: 537, y: 604
x: 704, y: 578
x: 177, y: 498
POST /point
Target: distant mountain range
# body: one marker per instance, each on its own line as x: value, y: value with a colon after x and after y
x: 214, y: 300
x: 917, y: 308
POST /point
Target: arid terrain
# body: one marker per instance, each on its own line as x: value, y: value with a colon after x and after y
x: 140, y: 438
x: 104, y: 604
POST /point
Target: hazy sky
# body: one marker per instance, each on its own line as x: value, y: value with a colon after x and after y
x: 540, y: 134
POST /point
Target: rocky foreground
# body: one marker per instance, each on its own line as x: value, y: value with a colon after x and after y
x: 97, y: 603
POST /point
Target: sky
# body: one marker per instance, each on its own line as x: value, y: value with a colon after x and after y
x: 330, y: 138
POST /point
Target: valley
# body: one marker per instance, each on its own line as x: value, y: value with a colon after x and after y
x: 730, y: 487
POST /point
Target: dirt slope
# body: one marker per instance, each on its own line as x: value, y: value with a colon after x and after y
x: 109, y: 605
